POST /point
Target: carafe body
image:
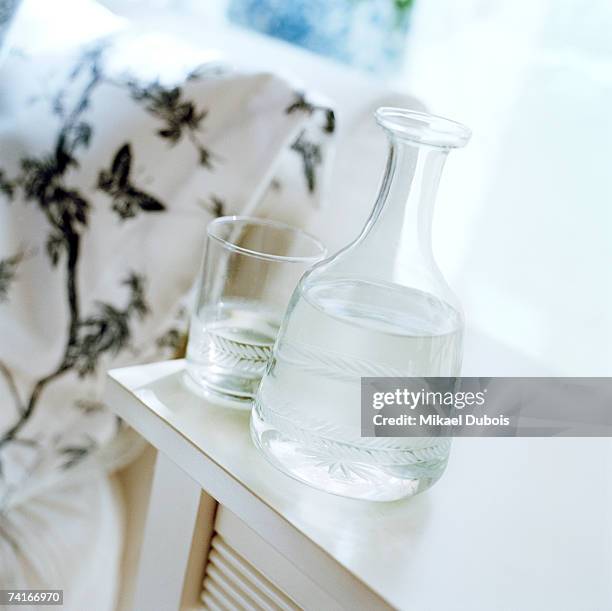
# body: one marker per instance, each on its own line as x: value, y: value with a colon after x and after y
x: 380, y: 307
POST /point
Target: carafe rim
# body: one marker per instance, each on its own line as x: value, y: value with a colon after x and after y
x: 423, y: 128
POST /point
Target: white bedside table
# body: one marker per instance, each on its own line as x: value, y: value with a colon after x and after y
x: 513, y: 525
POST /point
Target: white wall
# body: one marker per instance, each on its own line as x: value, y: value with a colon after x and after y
x: 524, y: 219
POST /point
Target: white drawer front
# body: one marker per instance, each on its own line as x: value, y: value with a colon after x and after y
x: 245, y: 573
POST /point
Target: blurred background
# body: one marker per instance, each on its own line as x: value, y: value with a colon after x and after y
x: 523, y: 220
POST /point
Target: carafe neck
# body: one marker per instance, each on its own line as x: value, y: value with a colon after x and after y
x: 401, y: 220
x: 396, y: 242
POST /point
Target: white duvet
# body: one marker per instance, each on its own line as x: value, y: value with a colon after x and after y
x: 108, y: 177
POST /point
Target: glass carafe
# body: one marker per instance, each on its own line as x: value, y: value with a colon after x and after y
x: 379, y: 307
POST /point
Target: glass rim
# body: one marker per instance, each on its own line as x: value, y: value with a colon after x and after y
x: 262, y: 222
x: 423, y: 127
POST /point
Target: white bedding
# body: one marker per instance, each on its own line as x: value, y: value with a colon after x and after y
x: 108, y: 176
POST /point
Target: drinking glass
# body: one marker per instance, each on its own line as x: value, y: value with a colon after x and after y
x: 250, y: 269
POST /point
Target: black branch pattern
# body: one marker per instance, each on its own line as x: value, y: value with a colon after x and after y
x: 7, y: 187
x: 73, y: 454
x: 311, y: 155
x: 215, y: 206
x: 302, y: 104
x: 309, y: 150
x: 8, y: 273
x: 108, y: 330
x: 43, y: 180
x: 179, y: 116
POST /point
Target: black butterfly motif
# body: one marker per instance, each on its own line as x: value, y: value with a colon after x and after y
x: 127, y: 199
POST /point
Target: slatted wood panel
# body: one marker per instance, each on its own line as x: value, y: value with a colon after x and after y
x: 231, y: 583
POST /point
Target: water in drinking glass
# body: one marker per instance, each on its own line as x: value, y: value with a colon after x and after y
x: 229, y: 347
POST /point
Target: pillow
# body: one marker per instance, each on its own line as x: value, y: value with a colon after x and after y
x: 107, y: 181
